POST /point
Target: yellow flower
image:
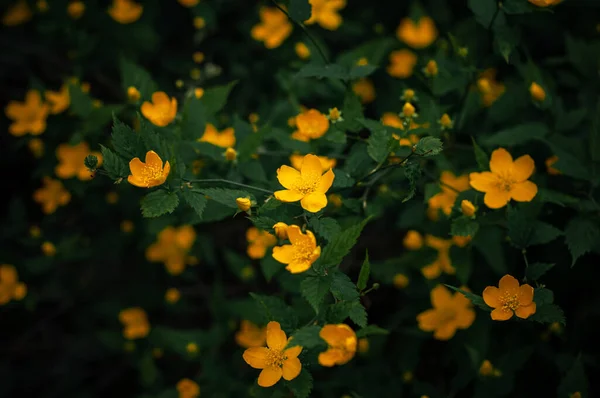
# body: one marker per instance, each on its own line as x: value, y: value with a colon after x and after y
x: 363, y: 345
x: 125, y: 11
x: 51, y: 195
x: 274, y: 360
x: 198, y: 57
x: 408, y: 110
x: 446, y: 122
x: 431, y: 69
x: 273, y: 29
x: 417, y: 34
x: 199, y: 22
x: 189, y: 3
x: 400, y: 281
x: 250, y: 335
x: 244, y: 204
x: 36, y: 146
x: 59, y: 101
x: 224, y: 139
x: 509, y: 299
x: 10, y: 287
x: 308, y: 185
x: 302, y: 50
x: 449, y: 313
x: 133, y: 94
x: 75, y: 9
x: 325, y: 13
x: 537, y: 92
x: 365, y: 90
x: 70, y: 161
x: 409, y: 95
x: 135, y: 323
x: 311, y: 125
x: 302, y: 252
x: 341, y: 344
x: 172, y: 295
x: 549, y: 165
x: 172, y: 247
x: 489, y: 88
x: 326, y: 163
x: 28, y: 116
x: 230, y: 154
x: 335, y: 115
x: 467, y: 208
x: 258, y: 242
x: 402, y: 63
x: 48, y: 249
x: 188, y: 388
x: 413, y: 240
x: 192, y: 348
x: 253, y: 118
x: 544, y: 3
x: 281, y: 230
x: 487, y: 369
x: 450, y: 186
x: 35, y: 231
x: 362, y: 61
x: 42, y: 5
x: 392, y: 120
x: 442, y: 263
x: 461, y: 241
x: 127, y: 226
x: 17, y: 14
x: 335, y: 199
x: 507, y: 180
x: 150, y: 173
x: 162, y: 110
x: 198, y: 92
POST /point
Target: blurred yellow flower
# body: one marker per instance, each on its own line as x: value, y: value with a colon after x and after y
x: 42, y: 5
x: 48, y: 249
x: 172, y: 295
x: 408, y: 110
x: 449, y: 313
x: 544, y: 3
x: 59, y: 101
x: 550, y: 163
x: 363, y: 345
x: 442, y: 262
x: 446, y: 122
x: 187, y: 388
x: 51, y: 195
x: 467, y: 208
x: 127, y: 226
x: 402, y: 63
x: 250, y: 335
x: 400, y: 281
x: 302, y: 50
x: 273, y: 29
x: 162, y: 110
x: 36, y: 146
x: 224, y: 138
x: 311, y: 125
x: 489, y: 89
x: 198, y: 57
x: 230, y: 154
x: 335, y: 199
x: 413, y: 240
x: 135, y: 323
x: 149, y: 173
x: 325, y: 13
x: 10, y: 287
x: 450, y: 186
x: 431, y: 69
x: 510, y: 299
x: 17, y: 14
x: 70, y: 161
x: 258, y: 242
x: 28, y: 116
x: 189, y: 3
x: 75, y: 9
x: 365, y: 90
x: 417, y: 34
x: 172, y: 247
x: 326, y: 163
x: 198, y: 92
x: 133, y: 94
x: 125, y: 11
x: 199, y: 22
x: 537, y: 92
x: 341, y: 345
x: 301, y: 253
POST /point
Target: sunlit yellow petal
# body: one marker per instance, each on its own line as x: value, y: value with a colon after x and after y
x: 288, y: 196
x: 291, y: 368
x: 523, y: 168
x: 284, y: 254
x: 501, y: 162
x: 256, y: 357
x: 314, y: 202
x: 326, y: 181
x: 269, y: 376
x: 524, y: 191
x: 276, y: 338
x: 288, y: 176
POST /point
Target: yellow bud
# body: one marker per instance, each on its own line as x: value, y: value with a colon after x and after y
x: 195, y: 73
x: 537, y: 92
x: 400, y: 281
x: 48, y: 249
x: 127, y: 226
x: 133, y: 94
x: 463, y: 52
x: 408, y: 110
x: 199, y: 23
x: 179, y: 83
x: 192, y: 348
x: 446, y: 122
x: 335, y: 115
x: 244, y: 204
x: 486, y: 368
x: 198, y: 57
x: 363, y: 345
x: 75, y: 9
x: 408, y: 94
x: 302, y: 50
x: 198, y: 92
x: 484, y: 85
x: 281, y: 230
x: 253, y: 118
x: 467, y: 208
x: 230, y: 154
x: 172, y: 295
x: 431, y: 69
x: 35, y: 231
x: 413, y: 240
x: 362, y: 61
x: 36, y: 146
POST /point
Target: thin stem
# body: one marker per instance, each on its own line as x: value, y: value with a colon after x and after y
x: 239, y: 184
x: 524, y: 251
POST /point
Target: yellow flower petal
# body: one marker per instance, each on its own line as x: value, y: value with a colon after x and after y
x: 256, y: 357
x: 314, y: 202
x: 288, y: 196
x: 491, y: 296
x: 294, y: 234
x: 500, y: 314
x: 152, y: 159
x: 483, y: 182
x: 496, y: 198
x: 508, y: 283
x: 293, y: 352
x: 524, y: 191
x: 440, y: 296
x: 276, y: 338
x: 326, y: 181
x: 297, y: 267
x: 269, y: 376
x: 525, y: 312
x: 291, y: 368
x: 311, y: 167
x: 501, y: 162
x: 522, y: 168
x: 445, y: 331
x: 288, y: 176
x: 525, y: 295
x: 284, y: 254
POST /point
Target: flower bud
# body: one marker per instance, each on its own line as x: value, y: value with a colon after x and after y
x: 537, y: 92
x: 281, y: 230
x: 244, y: 204
x: 413, y: 240
x: 467, y: 208
x: 133, y: 94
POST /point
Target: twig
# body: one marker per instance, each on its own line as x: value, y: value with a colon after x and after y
x: 239, y: 184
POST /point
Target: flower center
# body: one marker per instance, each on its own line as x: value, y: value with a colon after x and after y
x: 510, y: 301
x: 303, y: 250
x: 151, y: 172
x: 307, y: 184
x: 447, y: 314
x: 275, y: 358
x: 505, y: 183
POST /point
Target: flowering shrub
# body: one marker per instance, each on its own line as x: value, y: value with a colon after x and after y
x: 299, y: 198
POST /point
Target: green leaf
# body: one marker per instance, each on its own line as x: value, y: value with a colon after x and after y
x: 544, y: 233
x: 360, y: 71
x: 275, y: 309
x: 489, y: 243
x: 193, y: 123
x: 262, y: 222
x: 132, y: 75
x: 379, y: 145
x: 520, y: 228
x: 515, y: 7
x: 225, y: 196
x: 506, y: 39
x: 358, y: 314
x: 325, y: 227
x: 159, y: 202
x: 176, y: 340
x: 340, y: 245
x: 196, y: 200
x: 81, y: 103
x: 270, y: 267
x: 332, y: 71
x: 558, y: 198
x: 363, y: 276
x: 342, y: 180
x: 537, y: 270
x: 429, y: 146
x: 215, y: 98
x: 549, y: 313
x: 338, y: 312
x: 126, y: 142
x: 300, y: 10
x: 482, y: 158
x: 475, y: 299
x: 582, y: 235
x: 516, y: 135
x: 250, y: 144
x: 351, y: 112
x: 412, y: 172
x: 302, y: 385
x: 371, y: 330
x: 464, y: 226
x: 484, y: 11
x: 314, y: 289
x: 342, y: 287
x: 543, y: 296
x: 307, y: 337
x: 91, y: 162
x: 113, y: 164
x: 148, y: 370
x: 575, y: 380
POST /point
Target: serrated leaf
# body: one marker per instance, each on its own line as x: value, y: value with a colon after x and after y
x: 537, y: 270
x: 543, y: 296
x: 340, y: 245
x: 159, y: 202
x: 314, y: 289
x: 464, y: 226
x: 126, y: 142
x: 581, y: 236
x: 302, y: 385
x: 549, y: 313
x: 379, y: 145
x: 342, y: 287
x: 342, y: 180
x: 332, y: 71
x: 325, y: 227
x: 544, y: 233
x: 371, y: 330
x: 475, y: 298
x: 300, y: 10
x: 338, y: 312
x: 363, y: 276
x: 225, y: 196
x: 484, y: 11
x: 482, y: 158
x: 307, y: 337
x: 113, y: 164
x: 265, y: 223
x: 196, y: 200
x: 351, y: 111
x: 429, y: 146
x: 275, y: 309
x: 215, y: 98
x: 358, y: 314
x: 270, y: 267
x: 412, y: 172
x: 516, y: 135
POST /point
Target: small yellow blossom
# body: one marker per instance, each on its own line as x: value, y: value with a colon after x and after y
x: 258, y: 242
x: 409, y: 95
x: 133, y: 94
x: 363, y: 345
x: 59, y: 101
x: 365, y: 90
x: 230, y: 154
x: 335, y: 199
x: 125, y: 11
x: 326, y: 163
x: 308, y: 185
x: 70, y: 161
x: 402, y: 63
x: 400, y: 281
x: 48, y: 249
x: 507, y: 180
x: 301, y: 253
x: 162, y: 110
x: 150, y: 173
x: 199, y: 22
x: 311, y: 125
x: 250, y: 335
x: 461, y: 241
x: 550, y: 165
x: 172, y: 295
x: 273, y: 29
x: 489, y: 88
x: 35, y: 231
x: 413, y: 240
x: 417, y: 34
x: 10, y: 287
x: 544, y: 3
x: 408, y: 110
x: 325, y: 13
x: 189, y: 3
x: 198, y: 57
x: 274, y: 360
x: 223, y: 139
x: 135, y: 323
x: 449, y: 313
x: 244, y: 204
x: 431, y: 69
x: 335, y: 115
x: 253, y: 118
x: 467, y: 208
x: 28, y: 116
x: 446, y: 122
x: 198, y: 92
x: 341, y: 345
x: 75, y: 9
x: 450, y: 186
x: 362, y: 61
x: 281, y: 230
x: 302, y: 50
x: 191, y: 348
x: 442, y: 263
x: 127, y: 226
x: 510, y: 299
x: 463, y: 52
x: 187, y: 388
x: 36, y: 146
x: 51, y: 195
x: 172, y: 247
x: 487, y: 369
x: 17, y: 14
x: 537, y: 92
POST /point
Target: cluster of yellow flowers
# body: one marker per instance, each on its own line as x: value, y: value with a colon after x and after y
x: 10, y: 287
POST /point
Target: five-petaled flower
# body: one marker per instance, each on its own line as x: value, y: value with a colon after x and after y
x: 402, y: 63
x: 59, y: 101
x: 301, y: 253
x: 327, y: 163
x: 417, y: 34
x: 258, y: 242
x: 162, y: 110
x: 250, y: 335
x: 135, y: 323
x: 311, y: 125
x: 308, y: 185
x: 223, y: 139
x: 509, y: 299
x: 172, y: 248
x: 28, y: 116
x: 325, y: 13
x: 125, y: 11
x: 273, y: 28
x: 51, y: 195
x: 450, y: 186
x: 150, y: 173
x: 274, y: 360
x: 341, y: 342
x: 449, y: 313
x: 71, y: 157
x: 506, y: 180
x: 187, y: 388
